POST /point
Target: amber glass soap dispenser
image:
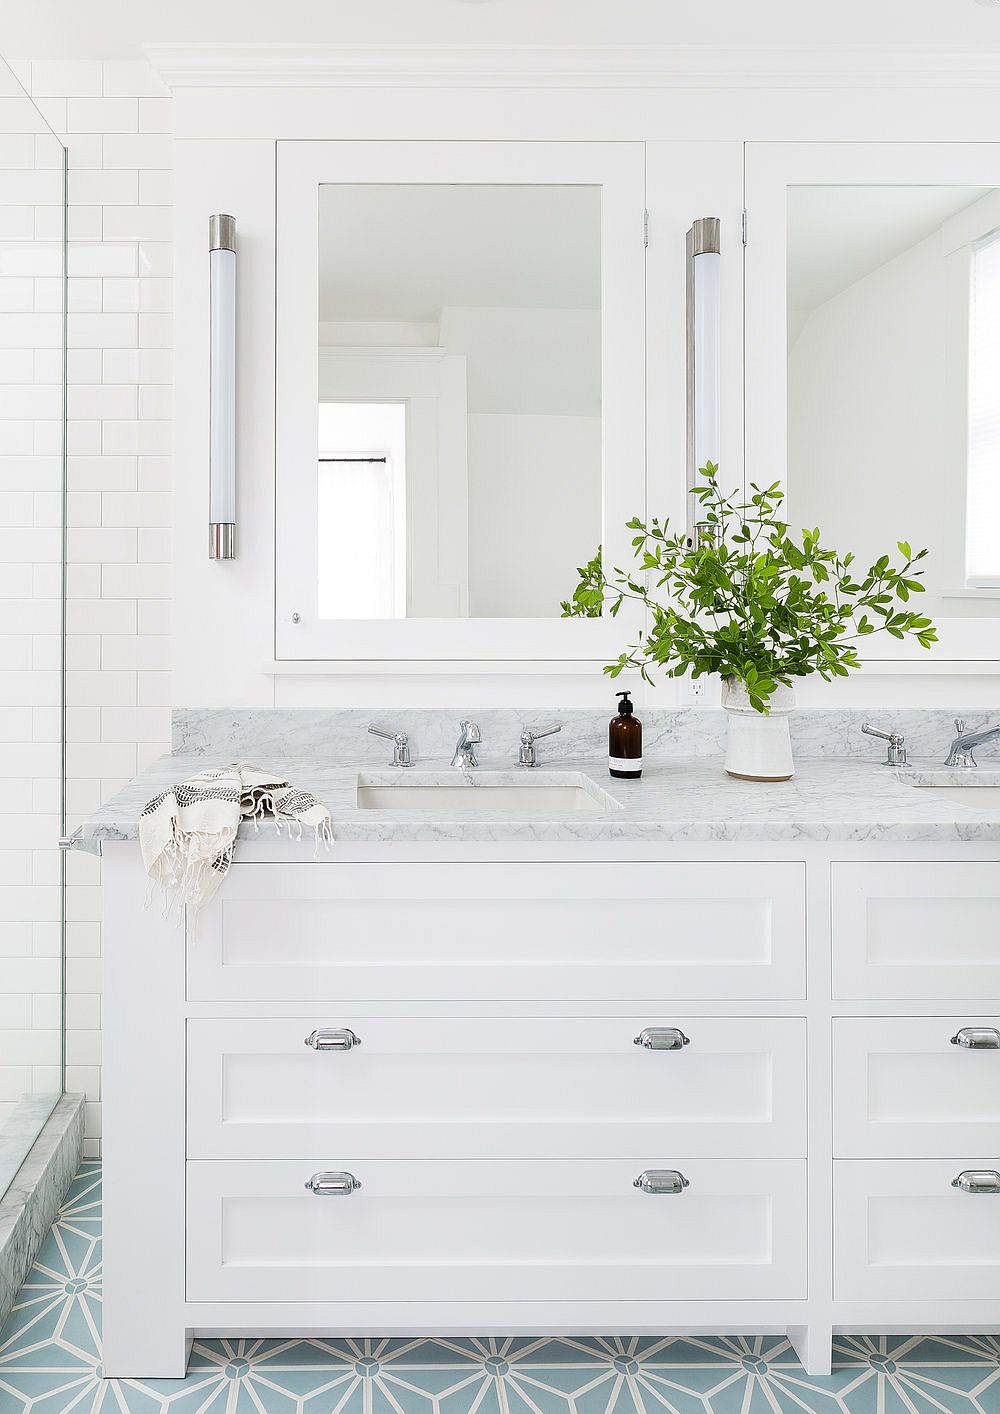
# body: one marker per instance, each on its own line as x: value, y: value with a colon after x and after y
x: 625, y: 741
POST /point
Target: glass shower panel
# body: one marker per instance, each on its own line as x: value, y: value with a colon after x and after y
x: 32, y: 558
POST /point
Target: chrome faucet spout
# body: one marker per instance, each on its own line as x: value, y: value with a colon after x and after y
x: 465, y: 748
x: 961, y: 749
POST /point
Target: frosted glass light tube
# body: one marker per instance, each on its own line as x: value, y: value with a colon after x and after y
x: 222, y: 384
x: 707, y: 353
x: 704, y: 355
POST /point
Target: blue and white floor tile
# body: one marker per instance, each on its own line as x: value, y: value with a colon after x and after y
x: 50, y: 1363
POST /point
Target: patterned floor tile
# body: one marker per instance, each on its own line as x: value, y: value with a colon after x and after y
x: 50, y: 1363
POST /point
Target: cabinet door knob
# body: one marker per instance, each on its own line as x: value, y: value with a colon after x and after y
x: 977, y: 1038
x: 661, y: 1181
x: 333, y: 1184
x: 662, y: 1038
x: 977, y: 1181
x: 332, y: 1039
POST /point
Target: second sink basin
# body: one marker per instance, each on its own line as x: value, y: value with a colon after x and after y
x: 490, y: 794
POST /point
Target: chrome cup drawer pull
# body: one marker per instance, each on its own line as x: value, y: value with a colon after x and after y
x: 661, y: 1181
x: 977, y: 1038
x: 333, y: 1185
x: 340, y: 1039
x: 977, y: 1181
x: 662, y: 1038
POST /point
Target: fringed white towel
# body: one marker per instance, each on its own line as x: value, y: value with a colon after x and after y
x: 188, y: 831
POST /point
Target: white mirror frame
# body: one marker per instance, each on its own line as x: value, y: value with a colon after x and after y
x: 302, y: 167
x: 771, y: 169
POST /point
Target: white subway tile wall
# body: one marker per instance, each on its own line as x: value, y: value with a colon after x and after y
x: 115, y: 120
x: 30, y: 476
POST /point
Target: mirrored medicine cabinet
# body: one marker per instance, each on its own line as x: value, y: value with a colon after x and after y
x: 460, y: 369
x: 461, y: 381
x: 873, y: 277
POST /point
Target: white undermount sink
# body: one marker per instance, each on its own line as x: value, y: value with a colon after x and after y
x: 490, y: 794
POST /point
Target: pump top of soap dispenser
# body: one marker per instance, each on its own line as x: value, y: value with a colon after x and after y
x: 625, y: 708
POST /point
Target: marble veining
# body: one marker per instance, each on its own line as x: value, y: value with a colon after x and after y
x: 19, y: 1131
x: 684, y: 731
x: 967, y: 777
x: 32, y: 1199
x: 678, y: 800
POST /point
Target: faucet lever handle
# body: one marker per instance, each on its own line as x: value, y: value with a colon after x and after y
x: 896, y: 750
x: 400, y: 743
x: 534, y: 733
x: 526, y: 755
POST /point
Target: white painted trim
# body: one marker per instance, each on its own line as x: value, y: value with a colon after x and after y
x: 379, y: 351
x: 392, y: 667
x: 501, y: 66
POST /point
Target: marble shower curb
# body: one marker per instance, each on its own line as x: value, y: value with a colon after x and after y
x: 30, y: 1204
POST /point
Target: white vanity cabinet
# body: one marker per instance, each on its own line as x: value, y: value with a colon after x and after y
x: 427, y: 1089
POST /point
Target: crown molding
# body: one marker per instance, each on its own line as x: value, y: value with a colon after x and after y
x: 436, y: 66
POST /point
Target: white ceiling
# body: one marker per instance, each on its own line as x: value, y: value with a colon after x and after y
x: 35, y: 29
x: 406, y: 252
x: 837, y: 235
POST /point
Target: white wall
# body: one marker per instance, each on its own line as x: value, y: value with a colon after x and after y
x: 115, y: 120
x: 876, y: 416
x: 535, y: 452
x: 534, y: 510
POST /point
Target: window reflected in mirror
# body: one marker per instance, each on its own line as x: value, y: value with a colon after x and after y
x: 460, y: 431
x: 893, y: 306
x: 362, y: 510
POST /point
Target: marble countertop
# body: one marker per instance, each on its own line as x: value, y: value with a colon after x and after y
x: 679, y: 800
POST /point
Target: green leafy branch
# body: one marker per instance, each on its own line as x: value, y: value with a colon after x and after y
x: 748, y: 601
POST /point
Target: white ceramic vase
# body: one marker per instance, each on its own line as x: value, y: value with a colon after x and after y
x: 758, y: 748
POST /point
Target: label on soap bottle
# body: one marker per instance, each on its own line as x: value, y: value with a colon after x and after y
x: 621, y: 763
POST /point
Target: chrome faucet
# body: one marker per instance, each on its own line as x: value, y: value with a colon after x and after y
x: 960, y: 751
x: 527, y: 755
x: 400, y: 743
x: 465, y: 748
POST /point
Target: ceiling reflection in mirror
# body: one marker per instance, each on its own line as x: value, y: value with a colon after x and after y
x: 893, y: 309
x: 460, y: 429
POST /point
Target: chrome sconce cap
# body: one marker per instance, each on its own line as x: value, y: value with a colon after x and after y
x: 222, y: 232
x: 704, y: 236
x: 221, y: 540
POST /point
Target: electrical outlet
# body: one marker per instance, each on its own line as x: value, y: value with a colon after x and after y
x: 696, y: 689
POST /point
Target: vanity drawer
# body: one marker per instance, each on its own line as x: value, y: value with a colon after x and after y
x: 922, y: 931
x: 442, y: 1088
x: 502, y: 932
x: 903, y: 1089
x: 903, y: 1229
x: 495, y: 1231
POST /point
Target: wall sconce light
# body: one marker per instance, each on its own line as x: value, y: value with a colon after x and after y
x: 222, y: 388
x: 704, y: 355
